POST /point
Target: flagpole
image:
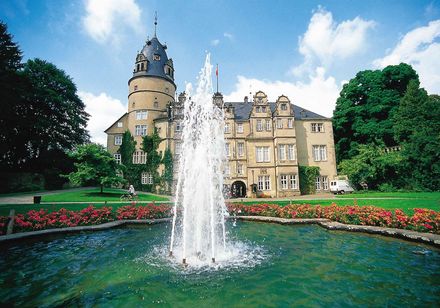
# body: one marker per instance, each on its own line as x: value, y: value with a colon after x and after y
x: 216, y: 73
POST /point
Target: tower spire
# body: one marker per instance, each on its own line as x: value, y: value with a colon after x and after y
x: 155, y: 23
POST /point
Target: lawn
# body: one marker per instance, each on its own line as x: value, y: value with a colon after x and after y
x: 94, y: 195
x: 377, y: 194
x: 406, y: 204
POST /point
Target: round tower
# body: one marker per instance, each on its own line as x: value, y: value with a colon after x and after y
x: 152, y: 86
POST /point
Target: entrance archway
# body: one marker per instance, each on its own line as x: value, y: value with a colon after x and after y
x: 238, y: 189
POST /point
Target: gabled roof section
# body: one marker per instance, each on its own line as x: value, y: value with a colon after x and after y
x: 118, y: 120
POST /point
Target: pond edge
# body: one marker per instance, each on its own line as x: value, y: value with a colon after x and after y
x: 414, y: 236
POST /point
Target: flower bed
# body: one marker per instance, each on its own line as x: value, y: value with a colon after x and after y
x: 41, y: 219
x: 423, y: 220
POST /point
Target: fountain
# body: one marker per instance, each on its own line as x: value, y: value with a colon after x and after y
x: 198, y: 229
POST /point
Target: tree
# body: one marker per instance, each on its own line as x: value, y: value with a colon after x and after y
x: 56, y: 112
x: 365, y: 108
x: 94, y: 166
x: 417, y: 127
x: 373, y: 166
x: 150, y: 145
x: 168, y: 172
x: 132, y: 172
x: 11, y: 102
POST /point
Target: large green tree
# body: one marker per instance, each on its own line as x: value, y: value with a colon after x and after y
x: 168, y: 172
x: 374, y: 166
x: 55, y: 110
x: 365, y: 108
x: 417, y: 129
x: 132, y: 172
x: 13, y: 148
x: 150, y: 145
x: 94, y: 165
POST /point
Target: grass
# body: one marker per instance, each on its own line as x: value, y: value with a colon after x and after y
x: 94, y: 195
x: 377, y: 194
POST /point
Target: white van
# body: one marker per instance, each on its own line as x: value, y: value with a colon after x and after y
x: 340, y: 187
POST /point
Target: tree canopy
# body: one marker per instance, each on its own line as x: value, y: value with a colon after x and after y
x: 365, y: 107
x: 94, y: 165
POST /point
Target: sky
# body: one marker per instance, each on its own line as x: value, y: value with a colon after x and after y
x: 303, y: 49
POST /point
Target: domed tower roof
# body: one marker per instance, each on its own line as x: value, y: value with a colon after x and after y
x: 153, y: 60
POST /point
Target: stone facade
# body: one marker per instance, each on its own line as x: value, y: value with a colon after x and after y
x: 265, y: 141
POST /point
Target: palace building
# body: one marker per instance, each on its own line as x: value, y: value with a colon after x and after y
x: 266, y: 141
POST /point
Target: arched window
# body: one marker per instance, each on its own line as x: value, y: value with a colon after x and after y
x: 142, y: 66
x: 138, y: 67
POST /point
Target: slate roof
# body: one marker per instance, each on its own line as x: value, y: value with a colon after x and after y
x: 155, y: 67
x: 243, y: 110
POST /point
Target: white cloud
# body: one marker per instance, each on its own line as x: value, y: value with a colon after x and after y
x: 228, y: 36
x: 106, y: 19
x: 319, y: 94
x: 215, y: 42
x: 104, y: 111
x: 325, y: 40
x: 420, y: 48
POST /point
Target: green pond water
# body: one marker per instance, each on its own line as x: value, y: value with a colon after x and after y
x: 281, y: 266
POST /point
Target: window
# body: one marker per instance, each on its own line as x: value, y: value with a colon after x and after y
x: 258, y: 109
x: 263, y: 109
x: 118, y: 139
x: 283, y: 181
x: 227, y: 170
x: 239, y: 168
x: 140, y: 130
x: 135, y: 86
x: 240, y: 149
x: 178, y: 126
x: 293, y: 181
x: 177, y: 148
x: 290, y: 123
x: 240, y: 128
x: 324, y: 181
x: 259, y: 125
x: 117, y: 158
x: 226, y: 128
x: 156, y: 57
x: 227, y: 149
x: 263, y: 182
x: 282, y: 152
x: 320, y: 152
x: 318, y: 183
x: 268, y: 126
x: 283, y: 107
x: 139, y: 157
x: 317, y: 127
x: 141, y: 114
x: 146, y: 178
x: 142, y: 66
x: 119, y: 124
x: 262, y: 154
x: 156, y: 104
x: 291, y: 152
x: 279, y: 123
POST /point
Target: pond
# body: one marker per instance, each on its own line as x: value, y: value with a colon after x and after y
x: 281, y: 266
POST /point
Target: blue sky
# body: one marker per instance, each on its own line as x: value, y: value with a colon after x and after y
x: 304, y: 49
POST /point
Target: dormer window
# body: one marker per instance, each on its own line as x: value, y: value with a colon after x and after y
x: 156, y: 57
x: 142, y: 66
x: 283, y: 107
x: 258, y: 109
x: 263, y: 109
